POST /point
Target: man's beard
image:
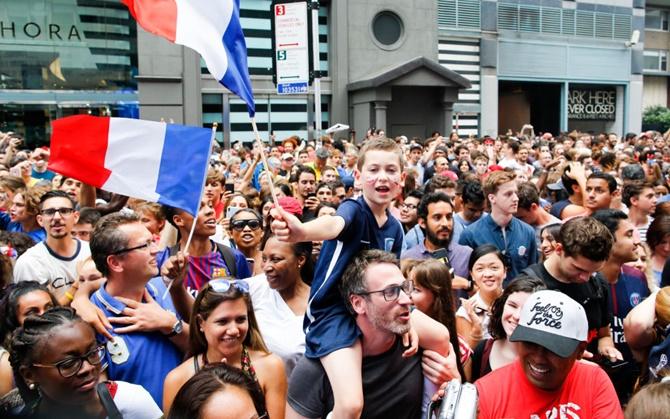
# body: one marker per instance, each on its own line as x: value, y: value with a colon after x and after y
x: 437, y: 242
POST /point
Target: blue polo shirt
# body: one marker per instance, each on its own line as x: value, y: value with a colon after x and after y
x: 328, y: 324
x: 518, y: 242
x: 458, y: 256
x: 143, y: 358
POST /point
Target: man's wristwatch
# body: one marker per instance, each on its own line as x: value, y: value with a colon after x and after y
x: 176, y: 329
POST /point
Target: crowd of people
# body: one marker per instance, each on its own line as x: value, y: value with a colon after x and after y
x: 535, y: 266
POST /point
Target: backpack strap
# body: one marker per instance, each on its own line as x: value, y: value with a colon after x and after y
x: 486, y: 355
x: 107, y: 401
x: 229, y: 258
x: 226, y: 252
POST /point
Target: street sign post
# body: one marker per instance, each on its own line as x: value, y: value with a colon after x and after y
x: 291, y: 41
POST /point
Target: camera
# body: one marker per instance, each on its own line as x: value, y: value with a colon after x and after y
x: 459, y: 402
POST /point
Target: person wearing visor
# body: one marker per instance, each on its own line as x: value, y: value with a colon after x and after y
x: 548, y: 379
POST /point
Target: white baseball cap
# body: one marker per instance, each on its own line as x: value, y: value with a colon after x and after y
x: 554, y: 321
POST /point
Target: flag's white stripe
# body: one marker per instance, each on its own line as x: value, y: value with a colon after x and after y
x: 134, y: 153
x: 200, y: 26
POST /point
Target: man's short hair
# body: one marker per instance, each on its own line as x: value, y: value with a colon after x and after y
x: 380, y: 144
x: 213, y: 175
x: 353, y: 278
x: 472, y: 193
x: 439, y: 182
x: 611, y: 181
x: 495, y: 180
x: 431, y: 198
x: 587, y: 237
x: 528, y: 195
x: 610, y: 218
x: 107, y: 238
x: 88, y: 215
x: 56, y: 193
x: 415, y: 193
x: 633, y: 189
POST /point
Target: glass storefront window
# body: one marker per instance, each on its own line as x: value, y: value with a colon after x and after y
x: 67, y: 45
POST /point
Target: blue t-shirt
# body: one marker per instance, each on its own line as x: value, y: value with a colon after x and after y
x: 37, y: 235
x: 629, y: 291
x: 143, y: 358
x: 328, y: 324
x: 517, y: 243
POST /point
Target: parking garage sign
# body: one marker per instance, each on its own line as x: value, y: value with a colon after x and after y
x: 291, y: 47
x: 592, y: 103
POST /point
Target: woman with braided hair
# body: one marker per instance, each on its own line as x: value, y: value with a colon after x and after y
x: 56, y: 363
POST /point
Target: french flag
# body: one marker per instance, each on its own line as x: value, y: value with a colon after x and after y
x: 154, y: 161
x: 210, y: 27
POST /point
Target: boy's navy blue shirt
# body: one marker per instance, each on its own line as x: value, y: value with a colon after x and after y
x: 328, y: 324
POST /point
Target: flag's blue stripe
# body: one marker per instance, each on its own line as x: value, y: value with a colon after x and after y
x: 183, y: 166
x: 236, y: 78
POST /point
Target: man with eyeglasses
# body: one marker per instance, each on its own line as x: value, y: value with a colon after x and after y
x: 149, y: 339
x: 377, y: 294
x: 54, y: 260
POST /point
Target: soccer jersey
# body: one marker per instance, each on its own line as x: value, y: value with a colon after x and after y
x: 328, y: 324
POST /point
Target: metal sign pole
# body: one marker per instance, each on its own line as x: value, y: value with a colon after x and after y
x: 317, y: 71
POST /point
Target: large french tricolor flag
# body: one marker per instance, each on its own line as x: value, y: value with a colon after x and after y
x: 210, y: 27
x: 158, y: 162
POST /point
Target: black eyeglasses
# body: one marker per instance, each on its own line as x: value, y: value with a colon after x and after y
x: 146, y: 245
x: 64, y: 212
x: 408, y: 206
x: 69, y: 367
x: 224, y: 285
x: 393, y: 292
x: 239, y: 225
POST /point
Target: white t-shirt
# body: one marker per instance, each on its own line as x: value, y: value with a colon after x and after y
x: 134, y: 402
x: 484, y: 317
x: 281, y: 329
x: 41, y: 264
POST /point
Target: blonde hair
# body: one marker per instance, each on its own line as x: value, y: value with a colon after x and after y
x: 495, y: 180
x: 663, y: 307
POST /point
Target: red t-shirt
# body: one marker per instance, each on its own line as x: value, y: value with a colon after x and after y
x: 586, y: 393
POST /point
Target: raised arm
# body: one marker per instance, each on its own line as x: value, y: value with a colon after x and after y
x: 638, y: 326
x: 289, y: 228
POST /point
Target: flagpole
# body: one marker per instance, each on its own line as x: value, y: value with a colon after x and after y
x: 195, y: 217
x: 265, y: 162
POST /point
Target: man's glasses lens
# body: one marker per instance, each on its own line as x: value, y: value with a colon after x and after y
x: 64, y: 212
x: 240, y: 224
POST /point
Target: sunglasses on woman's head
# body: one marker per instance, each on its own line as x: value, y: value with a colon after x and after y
x: 224, y: 285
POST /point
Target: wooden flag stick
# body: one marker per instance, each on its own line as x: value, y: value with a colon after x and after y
x: 265, y: 163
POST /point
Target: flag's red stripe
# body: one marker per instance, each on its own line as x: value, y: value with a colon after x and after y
x: 78, y: 148
x: 156, y: 16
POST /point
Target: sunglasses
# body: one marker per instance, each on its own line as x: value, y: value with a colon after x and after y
x: 239, y: 225
x: 224, y: 285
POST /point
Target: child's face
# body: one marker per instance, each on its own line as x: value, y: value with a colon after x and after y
x: 381, y: 177
x: 151, y: 222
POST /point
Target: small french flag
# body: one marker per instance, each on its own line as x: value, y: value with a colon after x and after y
x: 210, y: 27
x: 154, y: 161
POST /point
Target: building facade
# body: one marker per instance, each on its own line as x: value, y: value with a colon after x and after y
x: 557, y: 64
x: 65, y: 57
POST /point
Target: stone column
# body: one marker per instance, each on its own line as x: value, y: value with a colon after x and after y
x: 447, y: 118
x: 380, y: 114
